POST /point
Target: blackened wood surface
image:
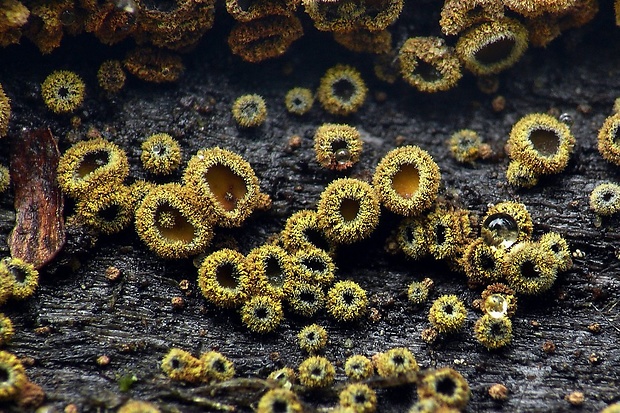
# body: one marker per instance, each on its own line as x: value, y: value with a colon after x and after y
x: 132, y: 321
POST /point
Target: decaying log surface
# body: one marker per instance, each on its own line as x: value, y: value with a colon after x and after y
x: 77, y: 314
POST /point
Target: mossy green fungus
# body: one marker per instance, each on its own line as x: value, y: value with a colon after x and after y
x: 262, y: 314
x: 530, y: 269
x: 358, y: 367
x: 407, y: 180
x: 337, y: 146
x: 346, y: 301
x: 316, y: 372
x: 279, y: 400
x: 609, y: 139
x: 541, y: 143
x: 395, y: 361
x: 21, y: 275
x: 342, y: 90
x: 312, y: 338
x: 63, y: 91
x: 108, y: 210
x: 223, y: 278
x: 249, y: 110
x: 348, y: 210
x: 505, y: 224
x: 448, y: 314
x: 170, y: 224
x: 447, y: 386
x: 161, y: 154
x: 270, y: 267
x: 491, y: 47
x: 605, y: 199
x: 91, y: 164
x: 429, y: 65
x: 224, y: 183
x: 493, y: 332
x: 12, y: 376
x: 216, y: 367
x: 299, y: 100
x: 181, y: 365
x: 358, y: 397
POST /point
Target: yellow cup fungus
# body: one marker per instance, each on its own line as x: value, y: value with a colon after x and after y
x: 447, y: 233
x: 304, y: 298
x: 5, y: 112
x: 518, y: 174
x: 137, y: 406
x: 491, y: 47
x: 63, y: 91
x: 91, y: 164
x: 161, y: 154
x: 314, y: 265
x: 249, y: 110
x: 223, y: 278
x: 407, y: 180
x: 447, y: 386
x: 20, y: 275
x: 312, y: 338
x: 283, y: 377
x: 154, y: 65
x: 245, y: 11
x: 279, y: 400
x: 5, y: 178
x: 108, y: 210
x: 111, y: 76
x: 530, y: 268
x: 417, y: 292
x: 181, y: 365
x: 493, y: 332
x: 262, y: 314
x: 609, y: 139
x: 348, y: 210
x: 12, y: 376
x: 458, y: 15
x: 447, y: 314
x: 315, y: 372
x: 270, y: 267
x: 429, y: 65
x: 466, y: 146
x: 559, y: 247
x: 216, y: 367
x: 505, y: 224
x: 395, y: 361
x: 342, y: 90
x: 346, y: 301
x: 302, y: 231
x: 365, y: 41
x: 483, y: 263
x: 337, y: 146
x: 6, y: 330
x: 170, y: 224
x: 413, y: 237
x: 299, y: 100
x: 605, y: 199
x: 358, y: 367
x: 223, y: 183
x: 358, y: 397
x: 348, y: 15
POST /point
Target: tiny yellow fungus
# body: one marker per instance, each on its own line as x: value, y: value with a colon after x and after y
x: 6, y: 284
x: 491, y: 47
x: 559, y: 246
x: 264, y: 38
x: 447, y: 233
x: 496, y: 295
x: 365, y: 41
x: 284, y: 377
x: 302, y: 231
x: 170, y: 224
x: 530, y: 269
x: 136, y: 406
x: 312, y: 338
x: 154, y: 65
x: 358, y: 367
x: 304, y: 298
x: 299, y: 100
x: 505, y: 224
x: 386, y: 67
x: 315, y: 266
x: 216, y: 367
x: 609, y: 139
x: 262, y: 314
x: 223, y: 278
x: 458, y: 15
x: 430, y: 405
x: 6, y: 329
x: 111, y: 76
x: 5, y: 112
x: 493, y: 332
x: 541, y: 143
x: 91, y: 164
x: 412, y: 237
x: 407, y: 180
x: 447, y: 314
x: 483, y: 263
x: 270, y: 267
x: 12, y: 376
x: 395, y: 361
x: 359, y: 398
x: 248, y: 11
x: 429, y: 65
x: 180, y: 365
x: 348, y: 15
x: 249, y: 110
x: 108, y: 210
x: 613, y: 408
x: 5, y: 178
x: 418, y: 291
x: 138, y: 190
x: 336, y: 146
x: 63, y: 91
x: 279, y: 401
x: 225, y: 183
x: 447, y: 386
x: 531, y: 9
x: 21, y: 275
x: 346, y: 301
x: 465, y: 146
x: 348, y: 210
x: 316, y: 371
x: 518, y: 174
x: 605, y: 199
x: 342, y: 90
x: 161, y: 154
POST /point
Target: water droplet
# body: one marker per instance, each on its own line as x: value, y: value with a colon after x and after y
x: 342, y: 156
x: 159, y: 150
x: 128, y: 6
x: 67, y: 17
x: 566, y: 119
x: 500, y: 230
x: 496, y: 305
